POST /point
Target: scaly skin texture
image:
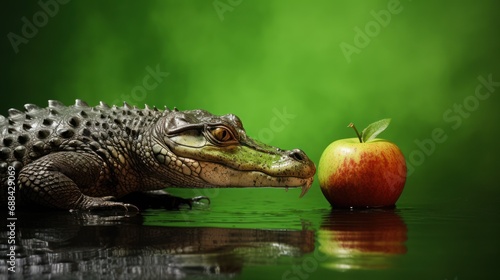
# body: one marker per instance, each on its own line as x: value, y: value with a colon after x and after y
x: 82, y: 157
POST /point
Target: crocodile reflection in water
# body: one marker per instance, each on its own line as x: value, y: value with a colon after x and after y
x: 96, y: 245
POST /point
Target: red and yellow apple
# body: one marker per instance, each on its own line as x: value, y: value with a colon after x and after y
x: 362, y: 172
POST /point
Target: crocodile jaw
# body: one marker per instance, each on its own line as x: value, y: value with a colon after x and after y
x: 226, y: 177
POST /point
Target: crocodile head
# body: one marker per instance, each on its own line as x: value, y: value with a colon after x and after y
x: 214, y: 151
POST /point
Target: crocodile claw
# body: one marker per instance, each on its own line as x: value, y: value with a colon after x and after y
x: 175, y: 202
x: 190, y: 201
x: 159, y: 200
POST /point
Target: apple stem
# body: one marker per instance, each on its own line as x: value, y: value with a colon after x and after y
x: 357, y: 133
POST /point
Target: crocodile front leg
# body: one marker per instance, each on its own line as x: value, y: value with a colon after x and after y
x: 56, y: 181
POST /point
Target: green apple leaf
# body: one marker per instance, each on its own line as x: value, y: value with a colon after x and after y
x: 374, y: 129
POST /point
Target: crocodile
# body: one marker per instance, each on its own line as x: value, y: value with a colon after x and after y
x: 82, y: 157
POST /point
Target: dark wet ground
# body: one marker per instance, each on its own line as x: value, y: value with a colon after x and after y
x: 256, y: 238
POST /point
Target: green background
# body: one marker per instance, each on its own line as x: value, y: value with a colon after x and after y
x: 260, y: 56
x: 256, y: 58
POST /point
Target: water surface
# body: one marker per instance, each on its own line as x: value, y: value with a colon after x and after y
x: 251, y: 235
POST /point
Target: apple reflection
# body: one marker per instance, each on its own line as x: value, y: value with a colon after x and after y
x: 362, y: 239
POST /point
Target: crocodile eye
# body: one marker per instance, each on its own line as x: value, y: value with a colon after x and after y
x: 222, y: 134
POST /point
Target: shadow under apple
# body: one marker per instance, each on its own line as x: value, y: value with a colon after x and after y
x: 362, y: 239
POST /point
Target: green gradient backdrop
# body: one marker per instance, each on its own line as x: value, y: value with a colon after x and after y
x: 260, y: 57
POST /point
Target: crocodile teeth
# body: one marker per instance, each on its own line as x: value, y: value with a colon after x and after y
x: 306, y: 186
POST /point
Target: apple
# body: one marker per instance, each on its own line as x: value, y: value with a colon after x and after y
x: 362, y: 172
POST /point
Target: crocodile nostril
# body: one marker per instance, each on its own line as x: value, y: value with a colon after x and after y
x: 297, y: 154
